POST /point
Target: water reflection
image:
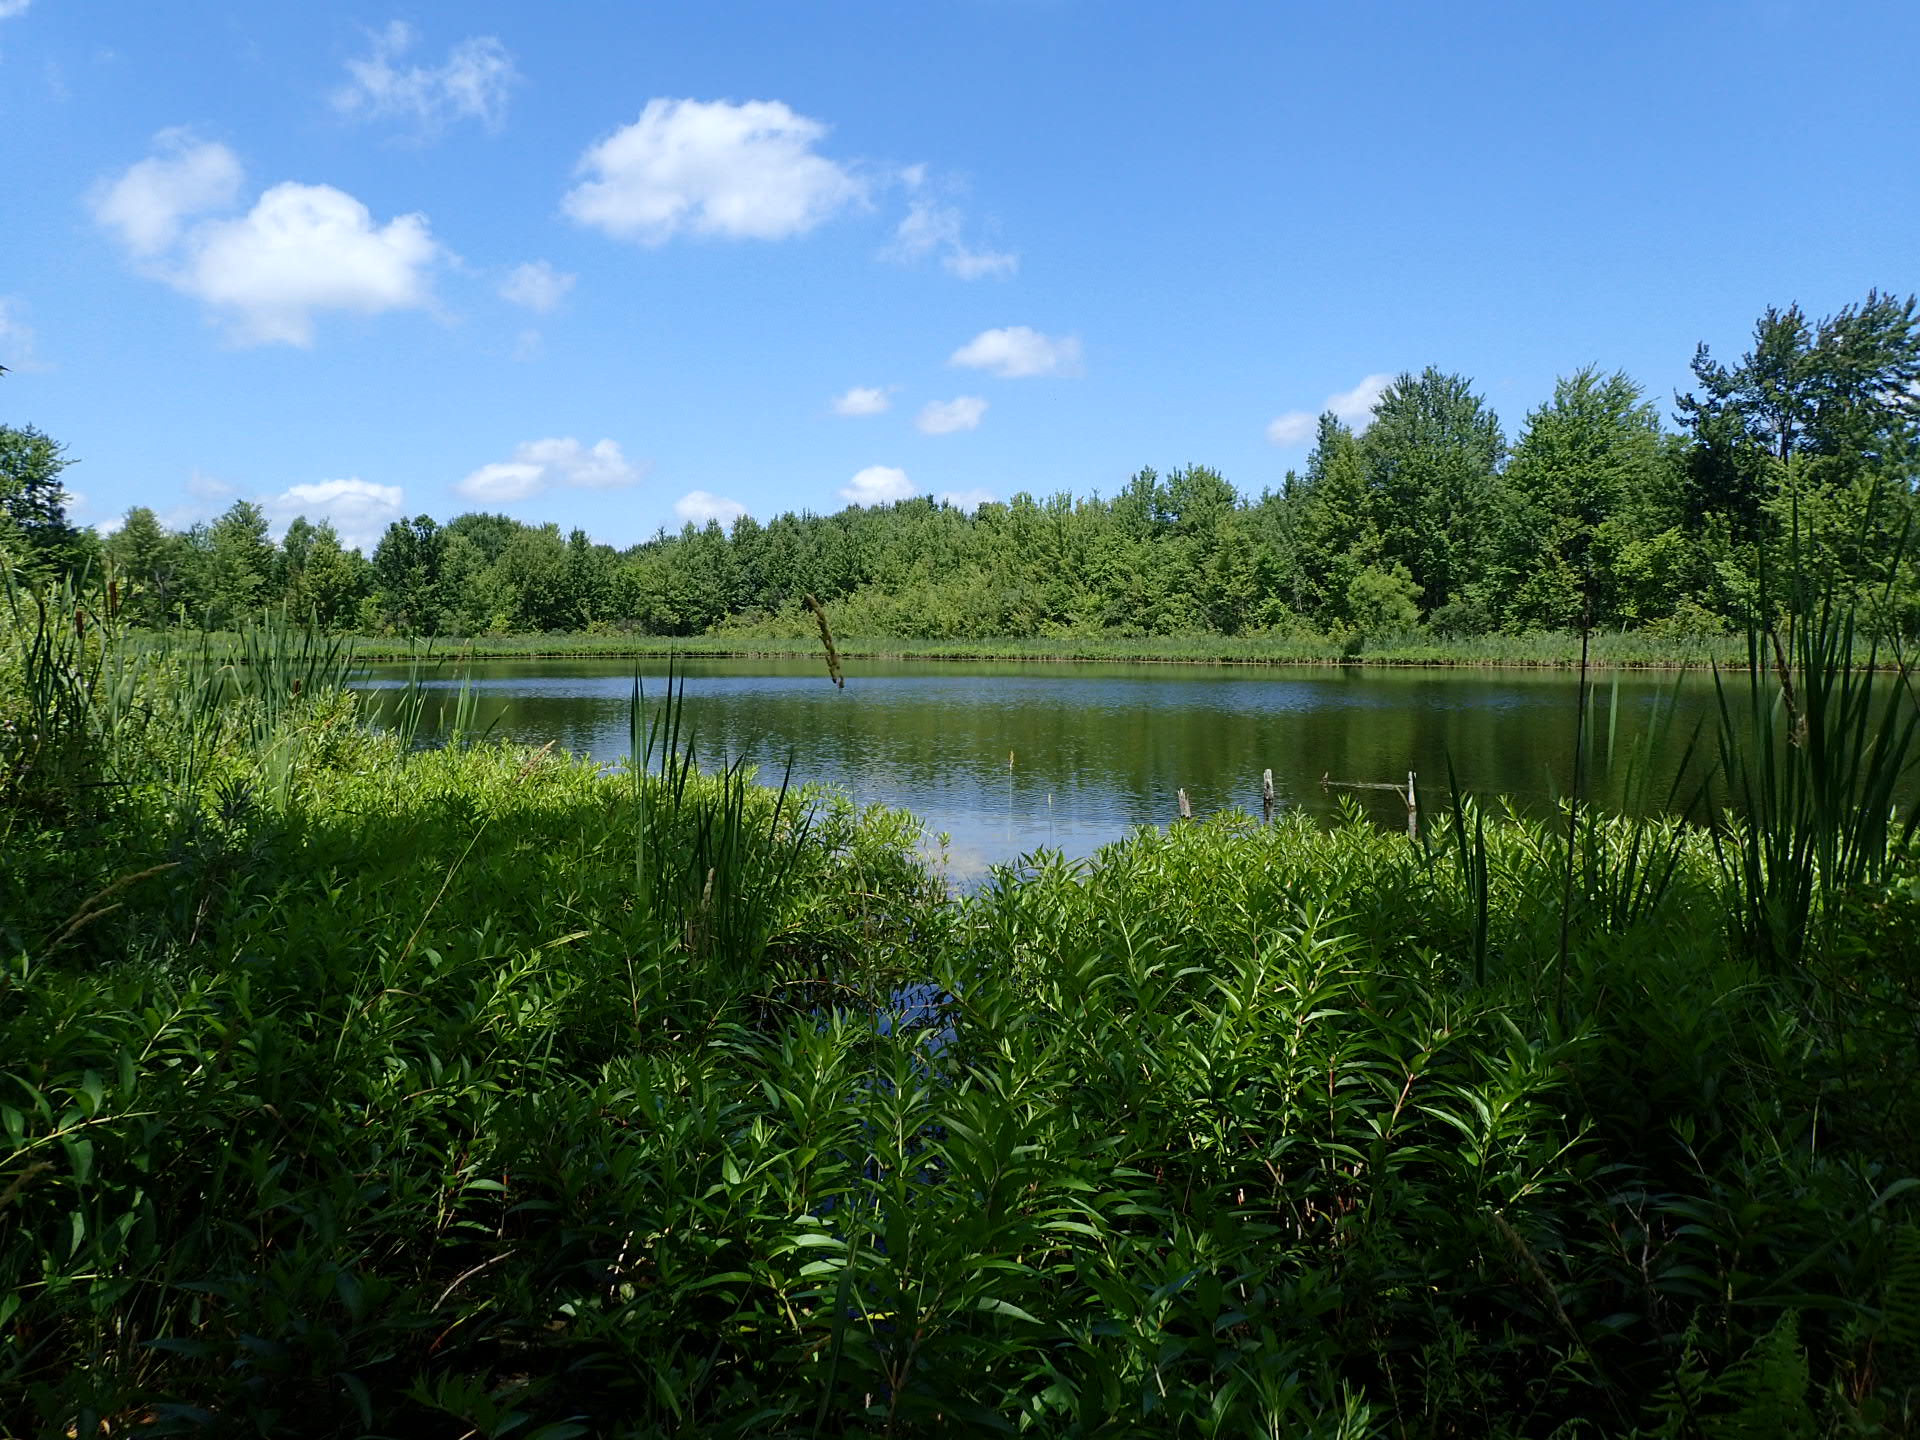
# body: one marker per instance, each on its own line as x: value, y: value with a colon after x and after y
x: 1006, y: 758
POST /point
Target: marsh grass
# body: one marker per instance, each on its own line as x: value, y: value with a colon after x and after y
x: 473, y: 1091
x: 1815, y: 744
x: 1624, y: 650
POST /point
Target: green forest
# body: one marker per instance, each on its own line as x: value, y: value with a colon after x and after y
x: 1433, y: 520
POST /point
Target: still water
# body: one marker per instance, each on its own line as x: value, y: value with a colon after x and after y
x: 1006, y: 758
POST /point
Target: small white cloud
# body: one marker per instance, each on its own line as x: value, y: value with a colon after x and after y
x: 1355, y: 406
x: 966, y: 499
x: 944, y: 417
x: 1019, y: 351
x: 358, y: 510
x: 472, y: 83
x: 934, y: 223
x: 541, y: 465
x: 742, y: 172
x: 302, y: 249
x: 11, y: 8
x: 1296, y: 427
x: 973, y: 264
x: 17, y: 340
x: 147, y: 206
x: 698, y: 507
x: 861, y: 400
x: 878, y: 485
x: 926, y: 225
x: 537, y: 286
x: 1352, y: 407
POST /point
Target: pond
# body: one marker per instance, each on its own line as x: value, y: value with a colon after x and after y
x: 1004, y: 758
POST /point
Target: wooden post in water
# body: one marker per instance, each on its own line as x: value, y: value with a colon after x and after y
x: 1186, y: 806
x: 1266, y: 797
x: 1413, y: 810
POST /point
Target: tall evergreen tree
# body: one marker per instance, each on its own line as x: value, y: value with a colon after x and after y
x: 35, y: 534
x: 147, y: 560
x: 240, y: 564
x: 337, y: 579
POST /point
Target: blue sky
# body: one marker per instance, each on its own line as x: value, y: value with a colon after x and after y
x: 621, y: 264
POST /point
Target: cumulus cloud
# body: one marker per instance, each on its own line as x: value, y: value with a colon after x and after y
x: 934, y: 224
x: 300, y: 250
x: 472, y: 83
x: 149, y: 204
x: 944, y: 417
x: 878, y: 485
x: 541, y: 465
x: 17, y: 340
x: 742, y: 172
x: 1019, y: 351
x: 861, y: 400
x: 358, y: 510
x: 1353, y: 407
x: 537, y: 286
x: 698, y: 507
x: 966, y: 499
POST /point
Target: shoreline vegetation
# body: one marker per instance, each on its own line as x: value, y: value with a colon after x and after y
x: 360, y: 1088
x: 1630, y: 651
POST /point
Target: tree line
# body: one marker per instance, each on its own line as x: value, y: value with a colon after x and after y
x: 1801, y: 456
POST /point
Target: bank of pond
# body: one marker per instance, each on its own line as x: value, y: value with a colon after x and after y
x: 1540, y: 649
x: 356, y: 1088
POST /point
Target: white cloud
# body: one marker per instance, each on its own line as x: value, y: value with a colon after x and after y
x: 878, y: 485
x: 1296, y: 427
x: 932, y: 223
x: 472, y: 83
x: 861, y: 400
x: 358, y: 510
x: 1019, y: 351
x: 147, y: 206
x: 1353, y: 407
x: 11, y: 8
x: 972, y: 264
x: 301, y: 249
x: 536, y: 285
x: 967, y: 499
x: 745, y: 171
x: 17, y: 340
x: 698, y: 506
x: 944, y: 417
x: 541, y: 465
